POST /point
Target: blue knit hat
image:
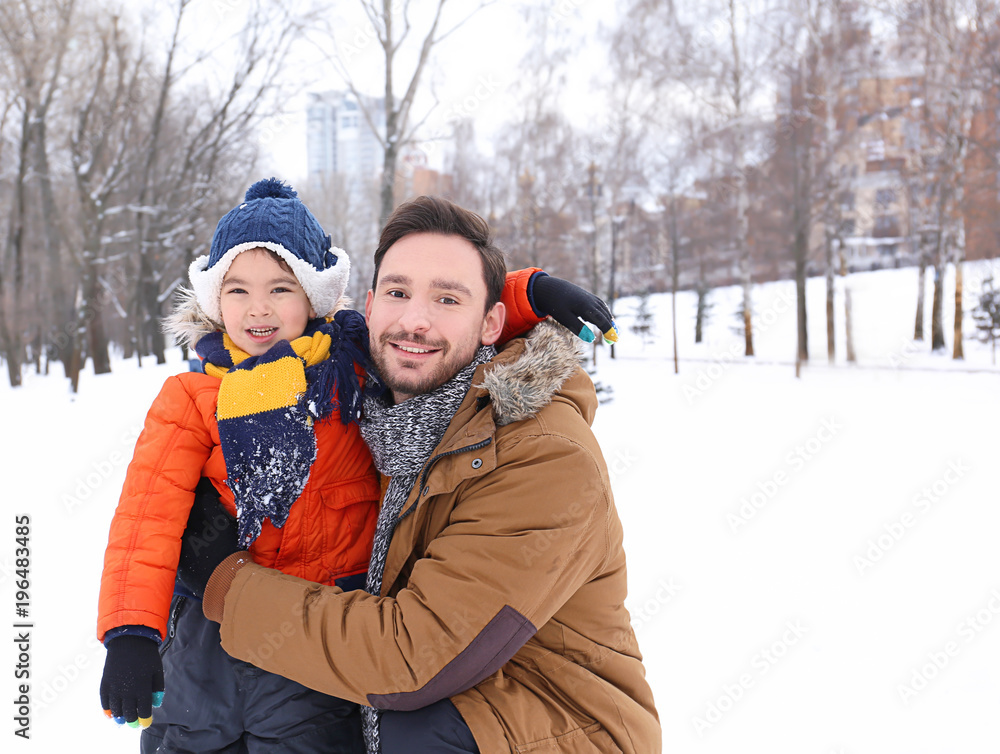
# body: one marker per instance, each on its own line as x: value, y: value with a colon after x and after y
x: 273, y: 217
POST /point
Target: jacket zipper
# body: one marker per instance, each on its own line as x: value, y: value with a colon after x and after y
x: 175, y: 611
x: 435, y: 459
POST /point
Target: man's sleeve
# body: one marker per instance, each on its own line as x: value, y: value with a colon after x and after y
x: 515, y: 550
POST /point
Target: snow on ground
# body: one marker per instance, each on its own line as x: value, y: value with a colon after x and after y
x: 812, y: 561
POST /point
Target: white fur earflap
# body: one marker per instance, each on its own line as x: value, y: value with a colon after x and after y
x: 324, y: 288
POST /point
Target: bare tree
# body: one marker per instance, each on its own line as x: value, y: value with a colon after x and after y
x: 393, y: 25
x: 948, y: 46
x: 33, y: 44
x: 188, y: 156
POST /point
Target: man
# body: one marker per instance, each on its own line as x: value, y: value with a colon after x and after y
x: 494, y: 617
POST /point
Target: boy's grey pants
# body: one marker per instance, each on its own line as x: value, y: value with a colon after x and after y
x: 215, y: 704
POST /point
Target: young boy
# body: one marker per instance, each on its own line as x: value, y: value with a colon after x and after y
x: 270, y: 422
x: 270, y: 427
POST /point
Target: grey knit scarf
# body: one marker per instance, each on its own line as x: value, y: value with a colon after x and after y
x: 401, y: 438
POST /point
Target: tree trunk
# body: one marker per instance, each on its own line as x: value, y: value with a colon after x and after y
x: 52, y: 225
x: 699, y: 320
x: 675, y: 243
x: 388, y: 190
x: 743, y: 247
x: 10, y: 333
x: 831, y: 346
x: 957, y: 352
x: 849, y: 326
x: 937, y: 309
x: 611, y: 272
x: 89, y: 318
x: 918, y: 326
x: 848, y: 318
x: 802, y: 352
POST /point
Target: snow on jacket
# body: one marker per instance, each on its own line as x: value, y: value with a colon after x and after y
x: 504, y: 584
x: 329, y: 531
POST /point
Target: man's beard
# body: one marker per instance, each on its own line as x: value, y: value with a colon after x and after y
x: 405, y: 380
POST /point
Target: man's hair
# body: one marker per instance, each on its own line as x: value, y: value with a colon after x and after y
x: 432, y: 214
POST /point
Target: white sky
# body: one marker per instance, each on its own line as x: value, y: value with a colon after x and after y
x: 471, y: 72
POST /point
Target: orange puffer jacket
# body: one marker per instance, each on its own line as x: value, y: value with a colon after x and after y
x: 330, y: 526
x: 328, y: 533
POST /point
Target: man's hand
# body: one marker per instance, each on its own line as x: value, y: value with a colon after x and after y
x: 133, y: 680
x: 210, y: 537
x: 572, y: 306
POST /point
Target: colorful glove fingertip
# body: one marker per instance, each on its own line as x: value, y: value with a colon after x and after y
x: 145, y: 722
x: 586, y: 334
x: 107, y: 713
x: 611, y: 336
x: 120, y: 719
x: 157, y: 699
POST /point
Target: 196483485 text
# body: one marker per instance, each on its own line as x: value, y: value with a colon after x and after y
x: 22, y: 626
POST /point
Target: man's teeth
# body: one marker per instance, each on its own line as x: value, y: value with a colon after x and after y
x: 261, y: 332
x: 408, y: 349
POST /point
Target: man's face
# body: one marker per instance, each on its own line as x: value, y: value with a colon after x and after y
x: 427, y: 318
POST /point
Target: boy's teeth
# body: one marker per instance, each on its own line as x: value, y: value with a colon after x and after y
x: 261, y: 332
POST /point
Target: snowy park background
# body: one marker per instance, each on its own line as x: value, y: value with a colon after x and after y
x: 813, y: 561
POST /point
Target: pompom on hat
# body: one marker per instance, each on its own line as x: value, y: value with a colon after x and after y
x: 273, y: 217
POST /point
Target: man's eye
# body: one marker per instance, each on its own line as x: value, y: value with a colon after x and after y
x: 395, y: 294
x: 447, y: 300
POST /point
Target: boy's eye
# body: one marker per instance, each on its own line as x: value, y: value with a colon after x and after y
x: 280, y: 290
x: 235, y: 290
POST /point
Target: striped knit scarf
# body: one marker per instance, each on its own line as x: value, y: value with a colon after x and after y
x: 402, y: 438
x: 267, y: 407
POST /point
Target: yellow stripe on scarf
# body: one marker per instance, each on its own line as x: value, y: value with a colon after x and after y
x: 268, y: 386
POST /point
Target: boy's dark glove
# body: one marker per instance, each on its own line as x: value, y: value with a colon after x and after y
x: 209, y: 538
x: 133, y: 680
x: 572, y: 306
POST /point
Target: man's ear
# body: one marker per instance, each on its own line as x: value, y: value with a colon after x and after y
x: 368, y: 305
x: 493, y: 323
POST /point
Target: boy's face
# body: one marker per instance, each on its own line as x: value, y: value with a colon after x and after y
x: 262, y: 303
x: 426, y: 317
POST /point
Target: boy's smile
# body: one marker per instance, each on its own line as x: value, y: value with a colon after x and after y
x: 262, y: 302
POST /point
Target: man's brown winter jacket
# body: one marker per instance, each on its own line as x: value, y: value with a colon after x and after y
x: 504, y: 585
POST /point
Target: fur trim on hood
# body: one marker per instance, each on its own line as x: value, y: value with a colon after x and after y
x: 521, y: 388
x: 188, y: 323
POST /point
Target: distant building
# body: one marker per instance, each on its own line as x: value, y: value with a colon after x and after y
x: 414, y: 178
x: 340, y: 140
